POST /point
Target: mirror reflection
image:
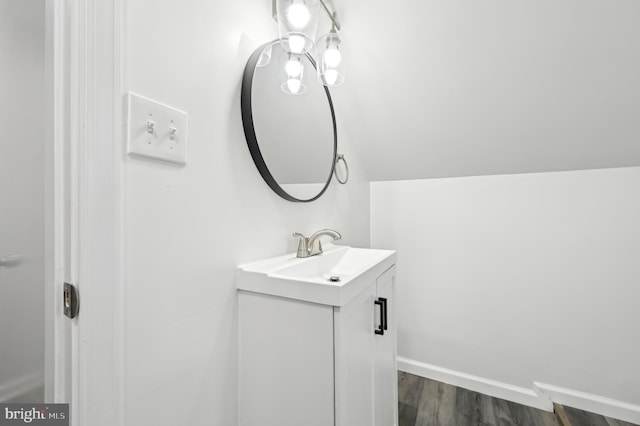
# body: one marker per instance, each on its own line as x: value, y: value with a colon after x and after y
x: 292, y: 137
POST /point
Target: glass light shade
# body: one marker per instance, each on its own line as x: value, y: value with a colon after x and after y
x: 265, y: 57
x: 329, y: 66
x: 293, y: 66
x: 293, y: 86
x: 297, y: 24
x: 294, y: 72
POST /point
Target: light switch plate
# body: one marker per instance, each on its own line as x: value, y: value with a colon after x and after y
x: 156, y: 130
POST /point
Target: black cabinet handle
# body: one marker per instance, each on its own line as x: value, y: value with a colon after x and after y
x: 381, y: 327
x: 384, y: 312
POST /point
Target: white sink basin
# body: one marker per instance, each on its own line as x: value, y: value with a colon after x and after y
x: 309, y: 279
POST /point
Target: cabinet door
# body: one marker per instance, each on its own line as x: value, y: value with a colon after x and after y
x: 355, y: 347
x: 286, y: 362
x: 386, y: 382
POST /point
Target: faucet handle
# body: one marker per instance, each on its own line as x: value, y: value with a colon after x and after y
x: 303, y: 245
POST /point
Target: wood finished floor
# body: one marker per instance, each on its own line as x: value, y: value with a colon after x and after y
x: 424, y: 402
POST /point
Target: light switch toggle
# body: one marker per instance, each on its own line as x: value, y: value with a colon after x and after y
x: 172, y: 133
x: 150, y: 127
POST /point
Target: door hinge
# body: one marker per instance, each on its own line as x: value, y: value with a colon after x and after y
x: 70, y: 303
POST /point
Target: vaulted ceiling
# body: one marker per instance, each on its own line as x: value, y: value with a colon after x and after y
x: 440, y: 88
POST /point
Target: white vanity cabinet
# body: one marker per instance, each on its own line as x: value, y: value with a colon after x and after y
x: 313, y: 364
x: 365, y: 361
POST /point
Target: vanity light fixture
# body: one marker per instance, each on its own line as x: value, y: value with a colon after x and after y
x: 293, y: 67
x: 294, y: 86
x: 297, y: 24
x: 329, y: 67
x: 295, y: 71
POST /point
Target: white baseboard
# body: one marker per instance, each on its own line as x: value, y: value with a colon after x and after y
x: 541, y: 396
x: 593, y: 403
x: 478, y: 384
x: 21, y: 385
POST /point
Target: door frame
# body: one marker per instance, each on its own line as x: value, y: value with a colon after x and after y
x: 85, y: 109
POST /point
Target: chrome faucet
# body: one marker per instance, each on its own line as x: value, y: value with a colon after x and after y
x: 312, y: 246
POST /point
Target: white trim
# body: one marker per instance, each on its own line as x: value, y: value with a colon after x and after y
x: 96, y: 152
x: 57, y: 329
x: 21, y: 385
x: 541, y: 396
x: 593, y: 403
x: 478, y: 384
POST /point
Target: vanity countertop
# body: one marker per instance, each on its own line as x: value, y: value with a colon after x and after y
x: 312, y: 279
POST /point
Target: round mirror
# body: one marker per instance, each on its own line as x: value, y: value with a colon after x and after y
x: 290, y: 126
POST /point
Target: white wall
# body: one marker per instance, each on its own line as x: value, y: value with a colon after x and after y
x: 519, y: 278
x: 466, y: 87
x: 22, y: 196
x: 186, y: 228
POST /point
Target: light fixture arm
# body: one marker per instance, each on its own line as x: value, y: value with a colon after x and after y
x: 332, y: 15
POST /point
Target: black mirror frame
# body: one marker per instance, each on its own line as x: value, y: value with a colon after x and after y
x: 250, y: 133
